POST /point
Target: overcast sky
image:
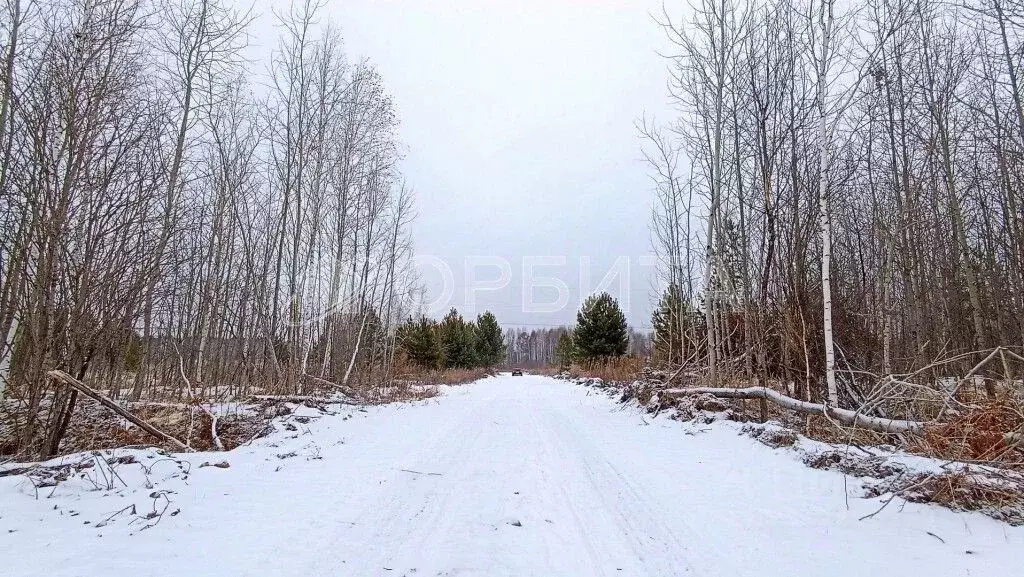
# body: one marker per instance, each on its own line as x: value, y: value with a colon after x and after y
x: 517, y: 118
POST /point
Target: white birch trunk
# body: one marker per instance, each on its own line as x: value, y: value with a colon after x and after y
x: 824, y: 149
x: 355, y: 352
x: 717, y: 184
x: 6, y: 355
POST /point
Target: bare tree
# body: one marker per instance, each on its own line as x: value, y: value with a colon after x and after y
x: 171, y: 234
x: 871, y: 149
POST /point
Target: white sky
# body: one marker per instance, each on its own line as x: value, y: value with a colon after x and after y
x: 517, y: 118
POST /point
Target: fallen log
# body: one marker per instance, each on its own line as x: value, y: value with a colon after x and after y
x: 66, y: 379
x: 845, y: 416
x: 297, y: 399
x: 343, y: 388
x: 303, y: 399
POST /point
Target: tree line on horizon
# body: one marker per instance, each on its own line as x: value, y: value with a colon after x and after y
x: 599, y: 335
x: 547, y: 347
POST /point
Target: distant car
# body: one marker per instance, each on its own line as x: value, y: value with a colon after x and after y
x: 517, y: 372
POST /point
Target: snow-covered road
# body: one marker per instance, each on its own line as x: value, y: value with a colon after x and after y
x: 511, y: 476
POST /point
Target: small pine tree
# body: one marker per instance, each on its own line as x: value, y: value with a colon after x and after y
x: 672, y: 320
x: 490, y: 341
x: 601, y: 330
x: 564, y: 350
x: 458, y: 341
x: 420, y: 342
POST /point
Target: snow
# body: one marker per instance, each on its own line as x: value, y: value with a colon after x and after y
x: 510, y: 476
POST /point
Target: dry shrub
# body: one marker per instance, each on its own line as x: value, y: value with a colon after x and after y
x: 959, y: 490
x: 93, y: 427
x: 643, y: 395
x: 460, y: 376
x: 442, y: 377
x: 401, y: 392
x: 419, y: 384
x: 855, y: 465
x: 822, y: 428
x: 999, y: 498
x: 993, y: 492
x: 978, y: 434
x: 771, y: 436
x: 617, y: 369
x: 641, y: 391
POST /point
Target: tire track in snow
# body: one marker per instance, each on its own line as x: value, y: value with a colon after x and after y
x: 580, y: 527
x: 404, y: 504
x: 582, y: 515
x: 654, y: 546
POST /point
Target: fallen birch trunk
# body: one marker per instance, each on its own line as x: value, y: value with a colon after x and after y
x: 300, y: 399
x: 343, y: 388
x: 297, y: 399
x: 845, y: 416
x: 107, y: 402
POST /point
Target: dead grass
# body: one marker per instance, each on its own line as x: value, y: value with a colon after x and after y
x: 95, y: 428
x: 402, y: 392
x: 442, y: 377
x: 967, y: 491
x: 977, y: 434
x: 998, y: 494
x: 771, y: 436
x: 619, y: 369
x: 417, y: 385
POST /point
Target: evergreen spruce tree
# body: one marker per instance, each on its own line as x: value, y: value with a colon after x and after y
x: 601, y: 330
x: 490, y: 341
x: 564, y: 350
x: 420, y: 342
x: 458, y: 341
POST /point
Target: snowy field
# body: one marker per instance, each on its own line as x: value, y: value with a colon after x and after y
x: 511, y: 476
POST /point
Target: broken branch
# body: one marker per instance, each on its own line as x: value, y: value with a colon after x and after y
x: 62, y: 377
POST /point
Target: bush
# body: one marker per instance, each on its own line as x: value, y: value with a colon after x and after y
x: 619, y: 369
